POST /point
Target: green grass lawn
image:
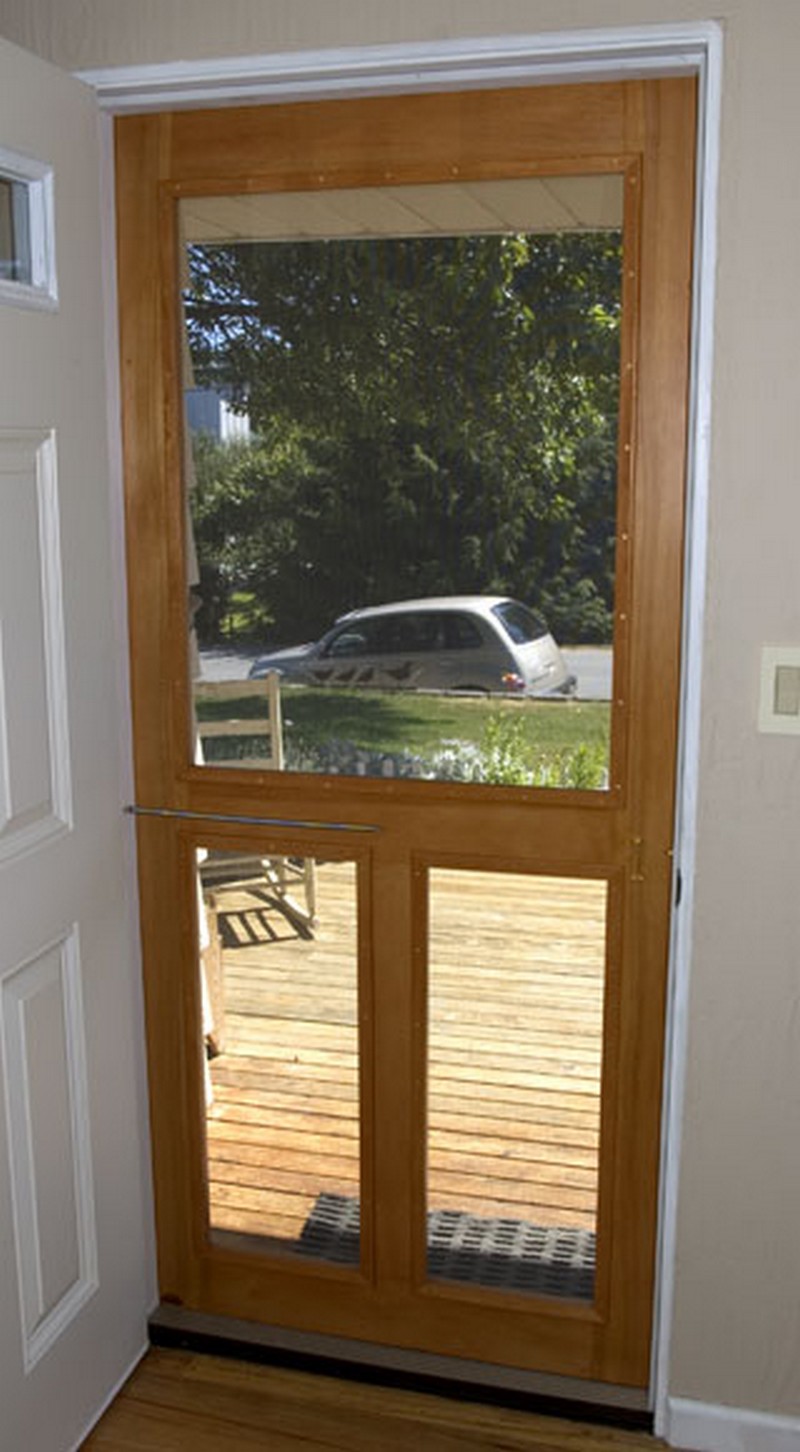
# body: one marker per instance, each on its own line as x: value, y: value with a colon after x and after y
x: 422, y: 725
x: 407, y: 721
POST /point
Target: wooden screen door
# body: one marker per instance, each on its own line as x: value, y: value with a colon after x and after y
x: 405, y: 971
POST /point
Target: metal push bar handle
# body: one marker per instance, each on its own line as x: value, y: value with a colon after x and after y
x: 244, y: 821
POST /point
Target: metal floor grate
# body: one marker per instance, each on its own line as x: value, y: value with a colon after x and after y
x: 510, y: 1255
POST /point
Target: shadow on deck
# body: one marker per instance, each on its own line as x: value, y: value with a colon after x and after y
x: 515, y: 1006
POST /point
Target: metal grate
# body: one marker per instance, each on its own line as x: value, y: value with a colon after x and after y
x: 510, y: 1255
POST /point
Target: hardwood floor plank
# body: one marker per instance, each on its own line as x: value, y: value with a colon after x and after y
x: 177, y: 1400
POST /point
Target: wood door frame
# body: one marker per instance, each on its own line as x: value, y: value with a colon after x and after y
x: 149, y: 439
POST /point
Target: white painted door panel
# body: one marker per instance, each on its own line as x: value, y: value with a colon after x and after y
x: 76, y: 1274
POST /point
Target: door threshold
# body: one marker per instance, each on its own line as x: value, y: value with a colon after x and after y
x: 409, y: 1370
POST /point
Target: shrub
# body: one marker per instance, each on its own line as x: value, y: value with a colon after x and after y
x: 504, y: 758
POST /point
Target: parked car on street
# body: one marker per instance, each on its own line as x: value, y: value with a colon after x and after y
x: 485, y: 643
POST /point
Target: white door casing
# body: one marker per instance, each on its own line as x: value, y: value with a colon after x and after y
x: 76, y: 1276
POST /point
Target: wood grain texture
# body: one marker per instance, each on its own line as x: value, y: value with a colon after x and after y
x: 178, y: 1400
x: 663, y: 282
x: 643, y: 130
x: 367, y: 142
x: 513, y: 1121
x: 141, y: 150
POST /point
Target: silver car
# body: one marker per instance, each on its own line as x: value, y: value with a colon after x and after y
x: 484, y: 643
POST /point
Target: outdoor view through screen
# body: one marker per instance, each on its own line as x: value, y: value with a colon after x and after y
x: 401, y: 468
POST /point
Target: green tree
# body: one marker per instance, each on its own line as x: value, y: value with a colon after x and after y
x: 433, y: 415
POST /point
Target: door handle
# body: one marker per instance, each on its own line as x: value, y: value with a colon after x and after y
x: 240, y: 820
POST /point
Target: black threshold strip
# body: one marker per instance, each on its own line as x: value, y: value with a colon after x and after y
x: 237, y: 1349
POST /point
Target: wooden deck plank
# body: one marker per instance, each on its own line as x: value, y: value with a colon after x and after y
x: 497, y: 1137
x: 515, y: 1054
x: 500, y: 1102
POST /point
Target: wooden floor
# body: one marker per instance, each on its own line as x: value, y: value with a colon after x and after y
x: 517, y: 969
x: 178, y: 1400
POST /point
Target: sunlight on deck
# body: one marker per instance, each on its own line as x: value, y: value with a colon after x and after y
x: 515, y: 1027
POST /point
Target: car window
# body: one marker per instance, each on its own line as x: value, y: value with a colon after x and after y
x: 461, y: 633
x: 523, y: 625
x: 355, y: 638
x: 416, y: 632
x: 347, y: 643
x: 413, y: 634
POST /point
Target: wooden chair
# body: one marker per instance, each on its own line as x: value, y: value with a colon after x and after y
x: 282, y: 876
x: 289, y: 882
x: 267, y: 726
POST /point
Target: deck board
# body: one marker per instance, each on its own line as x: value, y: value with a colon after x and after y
x: 515, y: 1053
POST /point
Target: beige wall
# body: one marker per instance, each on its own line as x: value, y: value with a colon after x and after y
x: 737, y: 1312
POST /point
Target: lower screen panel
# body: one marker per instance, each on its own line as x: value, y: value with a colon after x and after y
x: 515, y: 1022
x: 278, y: 939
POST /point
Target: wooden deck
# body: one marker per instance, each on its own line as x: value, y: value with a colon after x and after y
x: 516, y: 1013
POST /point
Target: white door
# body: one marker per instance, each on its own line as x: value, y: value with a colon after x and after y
x: 75, y: 1263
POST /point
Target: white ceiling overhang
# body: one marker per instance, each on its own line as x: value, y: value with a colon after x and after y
x: 530, y: 204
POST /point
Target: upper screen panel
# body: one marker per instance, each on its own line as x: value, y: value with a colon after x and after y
x: 401, y: 478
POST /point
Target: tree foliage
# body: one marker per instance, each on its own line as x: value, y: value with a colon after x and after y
x: 430, y: 416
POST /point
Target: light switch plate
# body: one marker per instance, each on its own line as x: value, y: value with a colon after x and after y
x: 779, y: 697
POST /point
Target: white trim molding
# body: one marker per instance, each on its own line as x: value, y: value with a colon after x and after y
x: 693, y: 48
x: 698, y: 475
x: 36, y: 179
x: 459, y: 64
x: 31, y: 454
x: 708, y: 1428
x: 47, y: 1310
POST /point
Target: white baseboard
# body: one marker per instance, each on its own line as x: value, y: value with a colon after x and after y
x: 704, y: 1427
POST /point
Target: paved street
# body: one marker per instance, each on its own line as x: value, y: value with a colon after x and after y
x: 226, y: 665
x: 592, y: 665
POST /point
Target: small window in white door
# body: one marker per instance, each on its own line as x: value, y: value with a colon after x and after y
x: 15, y: 241
x: 27, y: 250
